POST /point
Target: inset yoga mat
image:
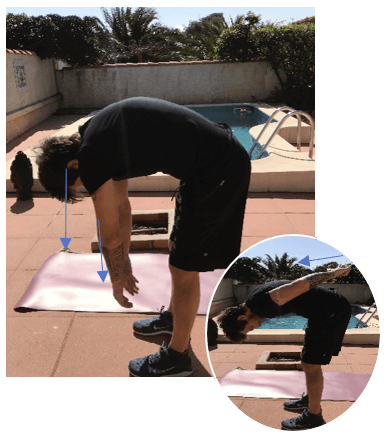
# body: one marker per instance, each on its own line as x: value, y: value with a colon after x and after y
x: 290, y: 384
x: 70, y: 282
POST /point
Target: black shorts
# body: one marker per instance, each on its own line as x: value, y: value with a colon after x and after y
x: 209, y: 214
x: 324, y: 338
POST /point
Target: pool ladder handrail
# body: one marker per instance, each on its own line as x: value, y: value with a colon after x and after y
x: 292, y: 112
x: 366, y: 312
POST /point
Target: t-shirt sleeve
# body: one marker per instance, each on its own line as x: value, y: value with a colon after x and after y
x: 93, y: 170
x: 261, y: 303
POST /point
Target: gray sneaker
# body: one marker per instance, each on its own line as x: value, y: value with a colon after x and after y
x: 161, y: 324
x: 304, y: 421
x: 300, y: 404
x: 164, y: 363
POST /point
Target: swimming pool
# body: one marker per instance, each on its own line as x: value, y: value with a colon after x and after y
x: 292, y: 321
x: 240, y: 117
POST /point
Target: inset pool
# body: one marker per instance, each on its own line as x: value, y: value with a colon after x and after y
x: 240, y: 117
x: 292, y: 321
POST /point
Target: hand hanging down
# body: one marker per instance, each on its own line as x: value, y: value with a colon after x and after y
x: 128, y: 282
x: 120, y: 272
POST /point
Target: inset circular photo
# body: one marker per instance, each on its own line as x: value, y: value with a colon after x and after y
x: 293, y: 333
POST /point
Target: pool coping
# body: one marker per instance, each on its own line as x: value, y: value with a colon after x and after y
x: 286, y: 169
x: 366, y: 336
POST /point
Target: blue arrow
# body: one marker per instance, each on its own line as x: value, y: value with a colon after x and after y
x: 102, y: 274
x: 65, y: 241
x: 306, y: 260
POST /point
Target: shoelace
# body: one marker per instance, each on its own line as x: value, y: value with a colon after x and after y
x: 304, y: 417
x: 164, y: 315
x: 157, y: 356
x: 161, y: 310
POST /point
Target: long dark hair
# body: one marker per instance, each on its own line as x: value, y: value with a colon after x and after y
x: 229, y: 323
x: 54, y: 153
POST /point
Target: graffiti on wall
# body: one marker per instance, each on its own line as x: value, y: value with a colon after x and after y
x: 20, y: 75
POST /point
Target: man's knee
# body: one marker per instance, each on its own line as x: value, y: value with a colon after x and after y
x: 180, y: 274
x: 310, y: 368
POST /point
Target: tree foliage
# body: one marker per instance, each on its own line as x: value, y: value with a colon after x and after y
x: 259, y: 270
x: 236, y: 43
x: 136, y: 35
x: 290, y: 50
x: 77, y: 41
x: 200, y: 37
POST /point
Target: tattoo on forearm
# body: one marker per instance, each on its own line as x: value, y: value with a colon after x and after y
x: 315, y: 279
x: 114, y: 258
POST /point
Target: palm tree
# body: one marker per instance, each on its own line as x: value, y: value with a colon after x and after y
x: 271, y: 266
x: 201, y: 36
x: 262, y: 269
x: 283, y: 267
x: 135, y: 36
x: 247, y: 270
x: 132, y: 31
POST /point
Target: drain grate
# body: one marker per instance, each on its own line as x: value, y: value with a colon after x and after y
x: 279, y: 360
x: 150, y: 230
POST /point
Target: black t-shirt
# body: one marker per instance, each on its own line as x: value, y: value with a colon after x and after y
x: 314, y: 304
x: 142, y: 136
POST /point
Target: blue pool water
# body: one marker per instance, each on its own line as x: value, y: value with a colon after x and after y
x: 292, y: 321
x: 238, y: 121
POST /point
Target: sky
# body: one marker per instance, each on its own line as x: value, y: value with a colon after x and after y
x: 180, y: 16
x: 299, y: 247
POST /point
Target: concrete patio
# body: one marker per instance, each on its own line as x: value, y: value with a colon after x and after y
x: 270, y: 412
x: 49, y: 343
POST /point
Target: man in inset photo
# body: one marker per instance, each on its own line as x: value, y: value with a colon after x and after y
x: 328, y: 314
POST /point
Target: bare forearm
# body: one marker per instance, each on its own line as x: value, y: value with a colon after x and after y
x: 115, y: 247
x: 114, y: 257
x: 302, y: 285
x: 283, y: 294
x: 125, y: 225
x: 318, y: 278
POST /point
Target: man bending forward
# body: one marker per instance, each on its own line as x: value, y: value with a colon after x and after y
x: 139, y: 137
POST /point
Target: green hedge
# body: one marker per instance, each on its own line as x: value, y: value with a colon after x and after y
x: 290, y: 50
x: 77, y: 41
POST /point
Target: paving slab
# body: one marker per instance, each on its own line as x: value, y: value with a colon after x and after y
x: 34, y: 344
x: 104, y: 342
x: 270, y: 412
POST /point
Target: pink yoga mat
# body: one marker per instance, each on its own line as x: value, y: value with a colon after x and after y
x: 70, y: 282
x: 291, y: 384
